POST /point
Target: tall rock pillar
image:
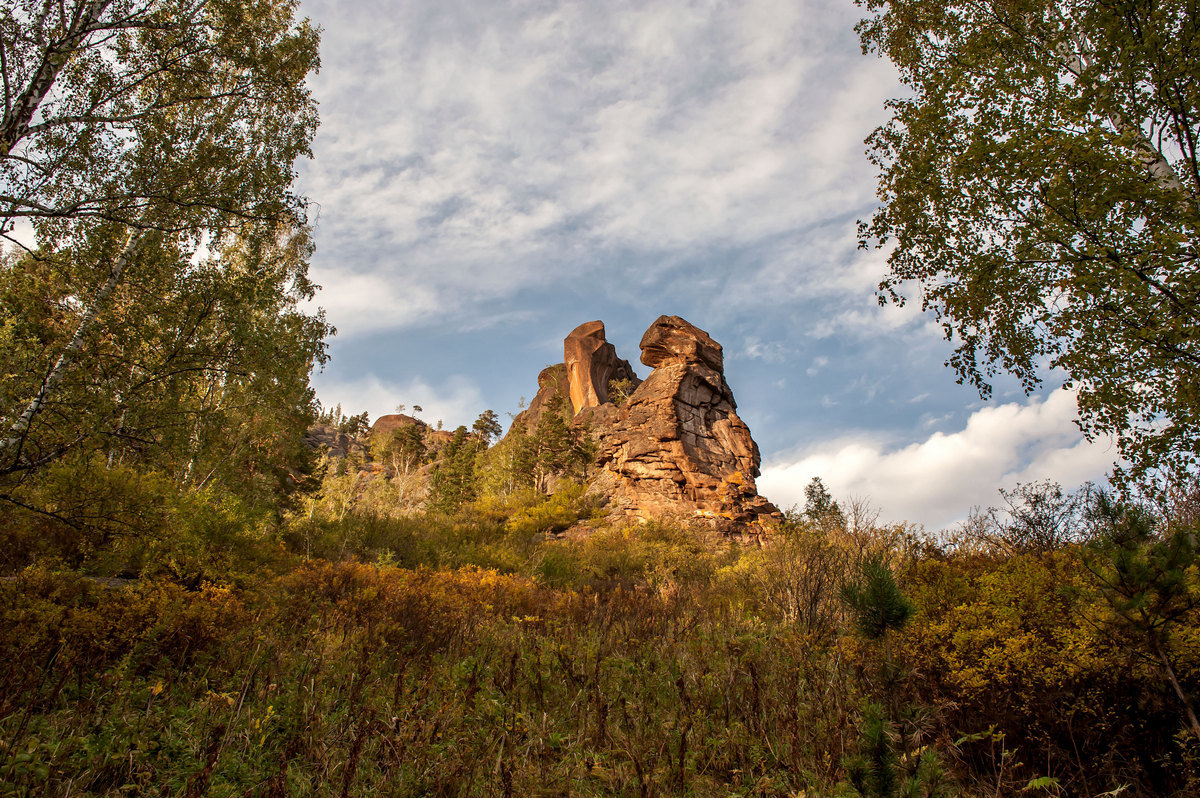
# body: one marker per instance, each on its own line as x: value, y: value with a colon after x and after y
x: 592, y: 363
x: 678, y: 446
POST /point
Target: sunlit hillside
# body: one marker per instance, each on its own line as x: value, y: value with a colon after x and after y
x: 217, y: 580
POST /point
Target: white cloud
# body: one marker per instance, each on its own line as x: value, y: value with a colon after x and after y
x: 469, y: 150
x: 767, y: 351
x: 457, y: 401
x: 21, y: 236
x: 370, y: 302
x: 867, y: 319
x: 936, y: 481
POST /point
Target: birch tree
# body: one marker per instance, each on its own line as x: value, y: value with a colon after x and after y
x: 1040, y: 193
x: 184, y: 116
x: 141, y: 142
x: 156, y: 323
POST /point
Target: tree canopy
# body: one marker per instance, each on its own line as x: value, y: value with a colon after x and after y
x: 1041, y: 185
x: 178, y: 115
x: 157, y: 319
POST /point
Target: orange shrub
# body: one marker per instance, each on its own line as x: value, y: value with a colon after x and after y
x: 90, y: 624
x: 406, y: 609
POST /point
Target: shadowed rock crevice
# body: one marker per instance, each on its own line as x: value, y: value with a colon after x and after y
x: 676, y: 447
x: 592, y: 364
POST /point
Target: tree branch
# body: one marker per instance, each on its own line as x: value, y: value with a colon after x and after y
x: 15, y: 124
x: 18, y: 432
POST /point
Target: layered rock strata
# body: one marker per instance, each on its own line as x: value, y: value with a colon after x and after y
x: 676, y: 446
x: 592, y: 365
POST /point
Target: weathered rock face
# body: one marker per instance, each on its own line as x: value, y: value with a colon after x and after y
x: 330, y: 439
x: 677, y: 446
x: 592, y: 363
x: 394, y: 421
x: 670, y: 339
x: 552, y: 385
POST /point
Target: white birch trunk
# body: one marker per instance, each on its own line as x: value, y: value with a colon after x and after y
x: 16, y: 121
x: 1155, y: 162
x: 17, y: 432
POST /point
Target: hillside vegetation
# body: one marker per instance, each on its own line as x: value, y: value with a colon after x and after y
x: 356, y: 644
x: 207, y: 588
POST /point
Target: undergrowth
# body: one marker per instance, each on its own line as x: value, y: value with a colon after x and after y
x: 479, y: 654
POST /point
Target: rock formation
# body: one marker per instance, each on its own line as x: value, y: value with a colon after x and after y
x: 592, y: 363
x: 435, y: 439
x: 394, y: 421
x: 329, y: 439
x: 676, y: 446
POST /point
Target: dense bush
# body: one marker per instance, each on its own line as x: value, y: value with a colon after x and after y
x: 482, y: 653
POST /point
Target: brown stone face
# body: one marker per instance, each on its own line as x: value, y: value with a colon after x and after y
x: 592, y: 363
x: 676, y: 447
x: 671, y: 338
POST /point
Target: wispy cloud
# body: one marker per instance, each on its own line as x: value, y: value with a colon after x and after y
x: 506, y: 166
x: 767, y: 351
x: 468, y: 151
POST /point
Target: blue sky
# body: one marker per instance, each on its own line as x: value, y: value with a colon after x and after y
x: 489, y: 175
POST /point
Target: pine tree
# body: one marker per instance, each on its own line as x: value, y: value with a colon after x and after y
x: 875, y: 601
x: 453, y: 483
x: 1144, y: 573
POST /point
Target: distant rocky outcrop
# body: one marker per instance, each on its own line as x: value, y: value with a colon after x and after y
x: 435, y: 439
x: 394, y: 421
x: 338, y: 445
x: 329, y: 439
x: 676, y: 446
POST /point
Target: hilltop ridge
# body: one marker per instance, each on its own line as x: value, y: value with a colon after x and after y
x: 671, y: 445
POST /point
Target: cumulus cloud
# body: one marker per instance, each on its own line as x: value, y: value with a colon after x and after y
x: 936, y: 481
